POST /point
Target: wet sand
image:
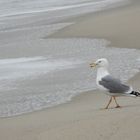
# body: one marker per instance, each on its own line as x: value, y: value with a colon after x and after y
x: 118, y: 26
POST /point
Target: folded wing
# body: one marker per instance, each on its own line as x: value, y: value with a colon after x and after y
x: 113, y: 85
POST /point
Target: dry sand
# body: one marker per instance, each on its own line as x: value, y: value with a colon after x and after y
x: 82, y: 117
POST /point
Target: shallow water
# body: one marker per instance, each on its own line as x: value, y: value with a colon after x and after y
x: 16, y: 7
x: 33, y: 83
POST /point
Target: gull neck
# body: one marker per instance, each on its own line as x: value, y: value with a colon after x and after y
x: 101, y: 72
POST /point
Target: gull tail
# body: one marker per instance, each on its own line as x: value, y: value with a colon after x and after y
x: 137, y: 94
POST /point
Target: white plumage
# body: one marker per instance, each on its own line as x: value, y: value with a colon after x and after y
x: 110, y: 85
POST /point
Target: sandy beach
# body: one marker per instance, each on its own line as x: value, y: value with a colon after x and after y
x: 83, y: 117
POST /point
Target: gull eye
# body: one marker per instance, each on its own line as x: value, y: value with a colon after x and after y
x: 99, y: 61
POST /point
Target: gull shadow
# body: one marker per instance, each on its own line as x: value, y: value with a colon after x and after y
x: 121, y: 107
x: 131, y: 105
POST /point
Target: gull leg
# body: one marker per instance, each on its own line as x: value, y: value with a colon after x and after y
x: 109, y: 103
x: 117, y: 105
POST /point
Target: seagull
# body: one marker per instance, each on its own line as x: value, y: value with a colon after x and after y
x: 110, y: 85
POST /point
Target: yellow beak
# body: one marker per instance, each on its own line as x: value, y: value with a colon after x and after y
x: 93, y: 65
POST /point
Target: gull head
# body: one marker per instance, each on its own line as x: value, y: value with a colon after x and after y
x: 102, y: 62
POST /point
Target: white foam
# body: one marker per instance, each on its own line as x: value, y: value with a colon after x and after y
x: 20, y: 60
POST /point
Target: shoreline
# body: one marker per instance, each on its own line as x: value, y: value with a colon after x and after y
x: 106, y: 23
x: 81, y: 118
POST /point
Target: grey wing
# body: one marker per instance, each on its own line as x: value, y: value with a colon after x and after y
x: 113, y: 85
